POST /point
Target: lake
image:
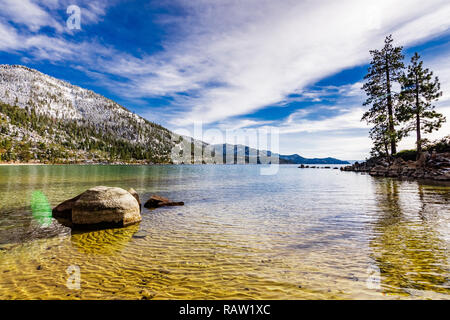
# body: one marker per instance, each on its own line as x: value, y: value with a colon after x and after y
x: 298, y: 234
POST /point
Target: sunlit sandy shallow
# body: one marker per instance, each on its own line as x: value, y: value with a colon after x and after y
x: 299, y: 234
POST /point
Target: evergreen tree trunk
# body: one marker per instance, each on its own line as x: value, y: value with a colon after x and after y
x: 419, y: 142
x: 419, y: 138
x: 390, y: 110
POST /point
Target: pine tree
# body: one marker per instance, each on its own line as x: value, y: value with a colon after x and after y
x: 380, y: 139
x: 385, y: 69
x: 419, y: 90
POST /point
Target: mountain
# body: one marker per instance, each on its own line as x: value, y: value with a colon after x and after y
x: 244, y: 154
x: 296, y: 159
x: 46, y: 119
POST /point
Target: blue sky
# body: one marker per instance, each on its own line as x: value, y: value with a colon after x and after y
x: 296, y: 66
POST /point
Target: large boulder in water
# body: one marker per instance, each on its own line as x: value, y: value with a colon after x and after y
x: 99, y: 207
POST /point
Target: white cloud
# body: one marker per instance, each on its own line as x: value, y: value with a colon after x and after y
x: 425, y: 24
x: 36, y: 14
x: 9, y: 38
x: 28, y: 13
x: 344, y: 121
x: 344, y: 146
x: 43, y: 47
x: 328, y: 93
x: 440, y: 65
x: 242, y: 124
x: 237, y: 57
x: 92, y: 12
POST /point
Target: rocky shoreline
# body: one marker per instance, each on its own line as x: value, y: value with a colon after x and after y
x: 434, y: 166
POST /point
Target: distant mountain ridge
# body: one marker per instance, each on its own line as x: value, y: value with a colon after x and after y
x: 296, y: 159
x: 245, y: 154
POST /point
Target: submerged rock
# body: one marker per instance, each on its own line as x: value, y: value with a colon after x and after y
x: 99, y: 207
x: 157, y: 201
x: 31, y: 232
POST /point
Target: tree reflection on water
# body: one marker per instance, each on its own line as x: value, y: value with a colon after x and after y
x: 408, y: 247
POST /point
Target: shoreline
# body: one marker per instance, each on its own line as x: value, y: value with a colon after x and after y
x: 22, y: 164
x: 79, y: 164
x: 158, y: 164
x: 435, y: 167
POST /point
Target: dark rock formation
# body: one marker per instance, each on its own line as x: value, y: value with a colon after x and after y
x: 157, y: 201
x: 434, y: 167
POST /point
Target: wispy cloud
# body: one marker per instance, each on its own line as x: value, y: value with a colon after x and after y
x: 36, y: 14
x: 348, y: 119
x: 256, y: 53
x: 10, y: 38
x: 235, y: 57
x: 28, y: 13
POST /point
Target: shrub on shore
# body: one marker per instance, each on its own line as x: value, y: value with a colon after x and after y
x: 439, y: 146
x: 407, y: 155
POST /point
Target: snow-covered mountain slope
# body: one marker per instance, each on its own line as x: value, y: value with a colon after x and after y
x: 23, y: 87
x: 95, y: 119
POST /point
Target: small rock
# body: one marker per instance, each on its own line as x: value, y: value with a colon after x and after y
x: 139, y: 236
x: 157, y: 201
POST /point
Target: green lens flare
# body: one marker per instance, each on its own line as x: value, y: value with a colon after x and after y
x: 41, y: 209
